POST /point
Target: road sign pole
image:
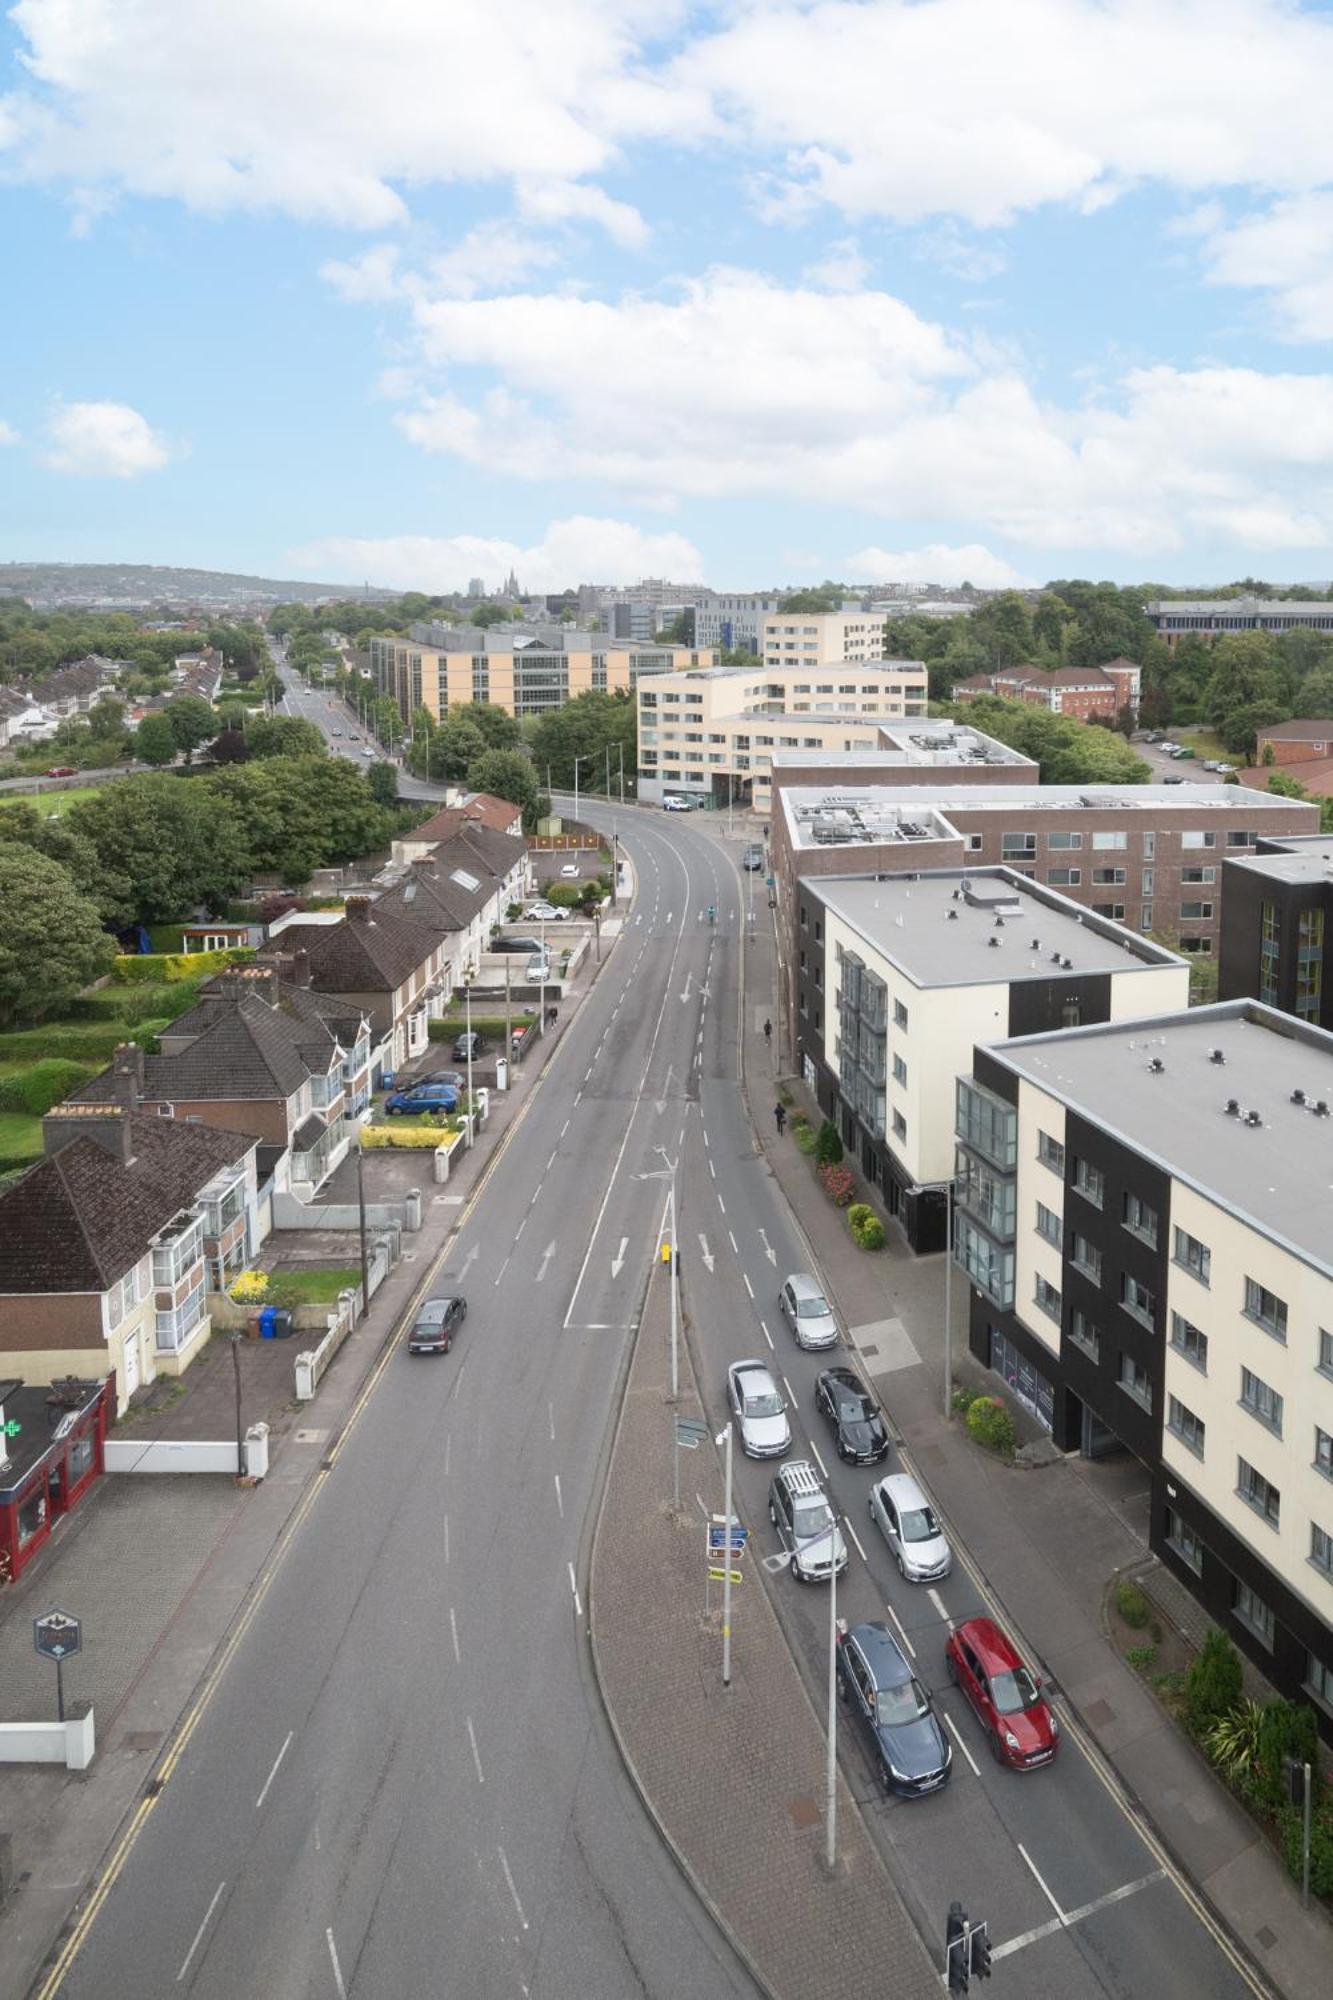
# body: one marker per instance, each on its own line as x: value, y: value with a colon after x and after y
x: 726, y: 1575
x: 675, y: 1466
x: 831, y: 1774
x: 60, y: 1690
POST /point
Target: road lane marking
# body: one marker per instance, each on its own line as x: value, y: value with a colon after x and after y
x: 453, y: 1634
x: 902, y: 1630
x: 274, y: 1772
x: 748, y: 1286
x: 1042, y: 1884
x: 199, y: 1934
x: 787, y: 1386
x: 1114, y: 1896
x: 712, y: 1170
x: 550, y: 1419
x: 547, y: 1255
x: 521, y: 1227
x: 446, y: 1541
x: 767, y: 1335
x: 564, y: 1128
x: 448, y: 1447
x: 734, y: 1244
x: 706, y: 1138
x: 504, y: 1863
x: 559, y: 1497
x: 939, y: 1604
x: 337, y: 1969
x: 503, y: 1268
x: 551, y: 1162
x: 476, y: 1754
x: 721, y: 1204
x: 846, y: 1521
x: 953, y: 1731
x: 574, y: 1586
x: 815, y: 1449
x: 618, y: 1260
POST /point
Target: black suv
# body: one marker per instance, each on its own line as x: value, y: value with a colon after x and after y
x: 853, y: 1415
x: 904, y: 1732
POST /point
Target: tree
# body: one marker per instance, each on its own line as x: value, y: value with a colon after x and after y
x: 155, y: 740
x: 106, y: 717
x: 1003, y: 625
x: 678, y: 631
x: 382, y: 784
x: 499, y: 730
x: 455, y: 746
x: 828, y: 597
x: 507, y: 774
x: 1067, y: 752
x: 492, y: 614
x: 587, y: 728
x: 284, y: 736
x: 230, y: 747
x: 1316, y: 694
x: 192, y: 722
x: 171, y: 838
x: 108, y: 889
x: 51, y: 940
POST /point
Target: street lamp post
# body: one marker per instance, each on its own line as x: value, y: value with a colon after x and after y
x: 726, y: 1569
x: 668, y: 1173
x: 586, y: 759
x: 467, y: 1006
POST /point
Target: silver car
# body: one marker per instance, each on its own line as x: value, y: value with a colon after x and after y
x: 906, y: 1519
x: 758, y: 1410
x: 809, y: 1313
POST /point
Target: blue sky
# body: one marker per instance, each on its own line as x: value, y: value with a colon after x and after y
x: 745, y: 293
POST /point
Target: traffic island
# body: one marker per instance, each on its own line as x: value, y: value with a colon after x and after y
x: 733, y: 1777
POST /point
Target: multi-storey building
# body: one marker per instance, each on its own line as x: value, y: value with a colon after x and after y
x: 734, y: 619
x: 1085, y: 693
x: 1214, y: 617
x: 1142, y: 1213
x: 1277, y: 925
x: 897, y: 978
x: 525, y: 670
x: 821, y: 638
x: 711, y: 735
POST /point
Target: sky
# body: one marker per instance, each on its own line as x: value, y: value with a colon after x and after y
x: 744, y: 294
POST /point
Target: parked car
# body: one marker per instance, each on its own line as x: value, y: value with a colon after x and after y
x: 470, y: 1043
x: 758, y: 1409
x: 1006, y: 1695
x: 415, y: 1098
x: 335, y: 732
x: 906, y: 1740
x: 753, y: 856
x: 569, y: 871
x: 547, y: 913
x: 436, y: 1323
x: 906, y: 1519
x: 807, y: 1527
x: 537, y: 971
x: 853, y: 1414
x: 1225, y: 770
x: 527, y: 944
x: 1182, y: 750
x: 63, y: 771
x: 1173, y: 778
x: 676, y: 805
x: 453, y: 1077
x: 808, y: 1311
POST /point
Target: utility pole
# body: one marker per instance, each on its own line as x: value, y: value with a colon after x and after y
x: 467, y: 1004
x: 622, y: 774
x: 948, y: 1301
x: 509, y: 1011
x: 831, y: 1771
x: 240, y: 1433
x: 361, y: 1217
x: 726, y: 1569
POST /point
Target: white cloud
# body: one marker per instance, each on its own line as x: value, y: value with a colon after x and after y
x: 936, y: 563
x: 841, y: 269
x: 493, y: 256
x: 8, y: 435
x: 1287, y: 250
x: 573, y: 550
x: 103, y: 441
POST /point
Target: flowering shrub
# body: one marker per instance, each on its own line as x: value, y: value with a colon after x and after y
x: 248, y: 1288
x: 837, y: 1184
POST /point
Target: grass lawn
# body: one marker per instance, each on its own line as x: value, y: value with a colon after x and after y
x: 20, y: 1140
x: 317, y: 1287
x: 58, y: 803
x: 1205, y: 743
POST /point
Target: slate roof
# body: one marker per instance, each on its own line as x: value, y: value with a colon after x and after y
x: 79, y: 1219
x: 1305, y: 729
x: 373, y: 953
x: 248, y: 1050
x: 316, y: 1020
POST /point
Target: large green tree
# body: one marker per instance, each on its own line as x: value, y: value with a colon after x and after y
x: 155, y: 740
x: 51, y: 938
x: 1067, y: 752
x: 507, y: 774
x: 455, y: 747
x: 284, y: 736
x: 173, y: 840
x: 587, y: 728
x: 192, y: 722
x: 1003, y: 625
x: 46, y: 833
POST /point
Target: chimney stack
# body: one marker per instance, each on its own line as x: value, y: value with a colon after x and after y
x: 300, y: 972
x: 357, y: 909
x: 108, y: 1125
x: 128, y: 1073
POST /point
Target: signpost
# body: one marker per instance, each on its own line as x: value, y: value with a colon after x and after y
x: 55, y: 1636
x: 690, y: 1434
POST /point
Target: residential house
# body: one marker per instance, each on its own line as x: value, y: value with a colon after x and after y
x: 480, y: 874
x: 22, y: 718
x: 501, y: 815
x: 390, y: 965
x: 110, y: 1244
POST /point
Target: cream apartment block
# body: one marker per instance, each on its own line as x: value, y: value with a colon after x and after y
x: 710, y: 734
x: 821, y: 638
x: 526, y: 670
x: 1143, y: 1213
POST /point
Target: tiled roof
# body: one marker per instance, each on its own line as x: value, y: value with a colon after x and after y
x: 499, y: 814
x: 1314, y: 776
x: 79, y: 1219
x: 1305, y: 729
x: 245, y: 1051
x: 373, y: 953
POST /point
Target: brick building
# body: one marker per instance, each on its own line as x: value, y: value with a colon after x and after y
x: 1085, y: 693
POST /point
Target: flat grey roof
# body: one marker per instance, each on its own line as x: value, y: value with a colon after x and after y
x: 937, y: 928
x: 1278, y: 1172
x: 1241, y: 607
x: 1313, y: 864
x: 925, y: 740
x: 866, y: 815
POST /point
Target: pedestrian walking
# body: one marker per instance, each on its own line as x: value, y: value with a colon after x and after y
x: 780, y: 1117
x: 768, y: 1031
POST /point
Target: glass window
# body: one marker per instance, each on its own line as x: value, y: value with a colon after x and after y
x: 1319, y: 1680
x: 1084, y: 1333
x: 1265, y: 1309
x: 1140, y: 1220
x: 1090, y: 1182
x: 1261, y: 1401
x: 899, y: 1070
x: 1048, y: 1224
x: 1135, y: 1380
x: 1066, y: 842
x: 1193, y: 1256
x: 1137, y: 1299
x: 899, y: 1125
x: 1252, y: 1612
x: 1103, y: 843
x: 1064, y: 878
x: 1321, y: 1548
x: 1185, y: 1425
x: 1323, y: 1452
x: 1108, y: 878
x: 1258, y: 1492
x: 899, y: 1015
x: 1325, y: 1361
x: 1047, y: 1298
x: 1198, y: 839
x: 1182, y: 1538
x: 1187, y: 1340
x: 1086, y: 1257
x: 1050, y: 1152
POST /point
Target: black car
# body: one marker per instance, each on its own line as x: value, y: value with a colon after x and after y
x: 853, y: 1416
x: 903, y: 1730
x: 436, y: 1323
x: 469, y: 1041
x: 453, y: 1077
x: 753, y: 858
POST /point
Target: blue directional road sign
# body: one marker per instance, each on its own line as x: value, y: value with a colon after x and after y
x: 717, y: 1539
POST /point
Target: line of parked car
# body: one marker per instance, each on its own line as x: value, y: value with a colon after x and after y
x: 906, y: 1738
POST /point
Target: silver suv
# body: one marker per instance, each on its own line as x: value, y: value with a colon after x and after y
x: 808, y: 1312
x: 806, y: 1525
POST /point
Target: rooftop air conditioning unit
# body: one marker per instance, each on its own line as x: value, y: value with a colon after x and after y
x: 1253, y: 1118
x: 1156, y: 1066
x: 1217, y: 1055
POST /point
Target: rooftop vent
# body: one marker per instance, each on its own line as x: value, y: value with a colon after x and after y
x: 993, y: 942
x: 1217, y: 1055
x: 1068, y: 964
x: 999, y: 923
x: 1321, y: 1108
x: 1233, y: 1107
x: 952, y: 915
x: 1036, y: 944
x: 1253, y: 1118
x: 1298, y: 1095
x: 1156, y: 1065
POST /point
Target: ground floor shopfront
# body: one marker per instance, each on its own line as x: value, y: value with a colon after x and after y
x: 52, y: 1449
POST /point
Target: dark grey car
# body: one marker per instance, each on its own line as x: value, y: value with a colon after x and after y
x: 903, y: 1730
x: 435, y: 1325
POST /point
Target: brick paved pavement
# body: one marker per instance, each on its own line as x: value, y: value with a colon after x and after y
x: 735, y: 1778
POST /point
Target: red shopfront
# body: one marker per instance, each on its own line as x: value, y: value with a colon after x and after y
x: 52, y: 1448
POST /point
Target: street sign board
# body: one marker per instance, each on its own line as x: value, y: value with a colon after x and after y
x: 720, y: 1576
x: 690, y: 1432
x: 56, y: 1635
x: 717, y: 1540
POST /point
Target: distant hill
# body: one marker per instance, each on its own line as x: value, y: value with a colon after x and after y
x: 140, y: 586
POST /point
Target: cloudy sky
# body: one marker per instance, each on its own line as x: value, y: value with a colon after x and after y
x: 996, y: 289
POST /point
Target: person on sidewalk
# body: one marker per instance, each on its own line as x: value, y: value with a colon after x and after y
x: 768, y: 1031
x: 780, y: 1117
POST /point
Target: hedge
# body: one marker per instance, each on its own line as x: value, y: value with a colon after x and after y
x: 73, y: 1040
x: 406, y: 1138
x: 45, y: 1083
x: 990, y: 1423
x: 167, y: 967
x: 838, y: 1183
x: 491, y: 1025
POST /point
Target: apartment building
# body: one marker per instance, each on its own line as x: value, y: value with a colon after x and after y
x: 526, y: 670
x: 1213, y: 617
x: 711, y: 735
x: 1086, y: 694
x: 898, y: 978
x: 1277, y: 923
x: 1142, y: 1215
x: 734, y: 619
x: 821, y: 638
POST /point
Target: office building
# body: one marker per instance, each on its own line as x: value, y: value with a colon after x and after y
x: 526, y: 670
x: 1276, y: 922
x: 733, y: 620
x: 1086, y: 694
x: 821, y: 638
x: 1215, y: 617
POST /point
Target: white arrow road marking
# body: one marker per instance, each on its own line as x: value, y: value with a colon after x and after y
x: 619, y: 1258
x: 660, y: 1103
x: 547, y: 1255
x: 574, y: 1586
x: 689, y: 981
x: 707, y: 1253
x: 769, y: 1251
x: 467, y: 1263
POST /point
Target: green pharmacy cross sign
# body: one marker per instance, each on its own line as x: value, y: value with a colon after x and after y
x: 11, y: 1427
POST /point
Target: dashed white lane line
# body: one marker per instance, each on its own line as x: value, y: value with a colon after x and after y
x: 767, y: 1335
x: 453, y: 1634
x: 721, y: 1204
x: 734, y: 1244
x: 199, y: 1934
x: 902, y: 1630
x: 706, y: 1139
x: 521, y: 1227
x: 503, y: 1268
x: 856, y: 1538
x: 446, y: 1541
x: 551, y: 1162
x: 559, y: 1497
x: 564, y: 1128
x: 448, y: 1448
x: 939, y: 1605
x: 504, y: 1863
x: 953, y: 1731
x: 790, y: 1391
x: 574, y: 1587
x: 274, y: 1772
x: 748, y: 1286
x: 333, y: 1960
x: 712, y: 1170
x: 476, y: 1754
x: 1042, y: 1884
x: 818, y: 1460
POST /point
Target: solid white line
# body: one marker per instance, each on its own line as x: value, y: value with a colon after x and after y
x: 453, y: 1634
x: 574, y: 1586
x: 902, y: 1630
x: 939, y: 1604
x: 559, y: 1497
x: 734, y: 1244
x: 198, y: 1936
x: 953, y: 1730
x: 767, y: 1335
x: 818, y: 1460
x: 504, y: 1863
x: 337, y: 1969
x: 1114, y: 1896
x: 274, y: 1772
x: 476, y: 1754
x: 1041, y: 1884
x: 748, y: 1286
x: 856, y: 1538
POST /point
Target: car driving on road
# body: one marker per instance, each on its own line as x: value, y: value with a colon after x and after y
x: 436, y: 1323
x: 1005, y: 1694
x: 807, y: 1527
x: 894, y: 1710
x: 853, y: 1416
x: 906, y: 1519
x: 808, y: 1312
x: 758, y: 1409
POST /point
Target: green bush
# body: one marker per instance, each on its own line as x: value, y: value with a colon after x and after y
x: 828, y: 1146
x: 45, y: 1083
x: 962, y: 1400
x: 1232, y: 1742
x: 803, y: 1134
x: 1286, y: 1729
x: 564, y: 895
x: 1141, y: 1658
x: 1131, y: 1603
x: 866, y: 1227
x: 1213, y: 1685
x: 492, y: 1026
x: 75, y: 1041
x: 990, y: 1423
x: 1290, y: 1825
x: 166, y: 968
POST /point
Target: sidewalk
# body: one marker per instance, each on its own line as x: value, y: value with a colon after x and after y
x: 158, y: 1567
x: 1047, y: 1542
x: 735, y: 1778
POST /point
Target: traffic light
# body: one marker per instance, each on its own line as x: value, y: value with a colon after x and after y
x: 955, y: 1948
x: 980, y: 1949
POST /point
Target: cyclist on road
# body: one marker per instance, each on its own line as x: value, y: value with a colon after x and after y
x: 712, y: 913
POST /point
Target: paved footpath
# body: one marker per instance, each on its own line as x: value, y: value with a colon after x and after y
x: 160, y: 1568
x: 1047, y: 1542
x: 735, y: 1778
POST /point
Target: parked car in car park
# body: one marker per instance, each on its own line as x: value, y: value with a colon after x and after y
x: 569, y: 871
x: 470, y: 1043
x: 436, y: 1322
x: 524, y: 944
x: 906, y: 1740
x: 807, y: 1526
x: 415, y: 1098
x: 546, y: 913
x: 853, y: 1415
x: 808, y: 1312
x: 1005, y: 1694
x: 453, y: 1077
x: 758, y: 1410
x: 906, y: 1519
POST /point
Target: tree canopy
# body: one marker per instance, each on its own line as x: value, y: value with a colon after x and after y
x: 51, y: 938
x: 508, y: 774
x: 587, y: 727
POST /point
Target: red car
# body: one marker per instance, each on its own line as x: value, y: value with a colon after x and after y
x: 1005, y: 1694
x: 63, y: 771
